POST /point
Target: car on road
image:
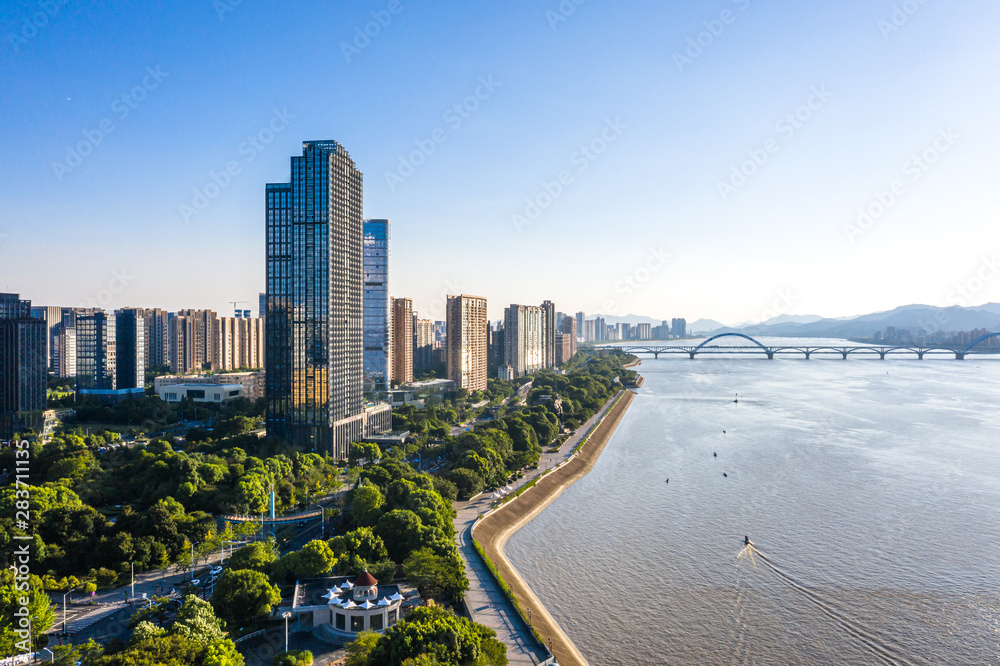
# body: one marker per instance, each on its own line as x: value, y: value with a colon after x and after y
x: 216, y: 571
x: 194, y: 582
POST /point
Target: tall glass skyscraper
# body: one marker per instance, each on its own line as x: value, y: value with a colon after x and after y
x: 376, y: 299
x: 314, y: 334
x: 22, y: 366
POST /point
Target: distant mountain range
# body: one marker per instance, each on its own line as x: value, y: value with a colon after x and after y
x: 918, y: 319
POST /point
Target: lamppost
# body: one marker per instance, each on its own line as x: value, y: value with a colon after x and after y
x: 286, y: 615
x: 69, y: 591
x: 132, y: 593
x: 322, y: 518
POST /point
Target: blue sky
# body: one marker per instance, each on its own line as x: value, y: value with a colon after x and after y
x: 649, y: 216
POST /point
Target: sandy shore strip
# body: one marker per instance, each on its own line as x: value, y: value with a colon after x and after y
x: 493, y: 531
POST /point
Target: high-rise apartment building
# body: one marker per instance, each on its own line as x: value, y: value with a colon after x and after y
x: 549, y: 333
x: 193, y: 341
x: 66, y: 351
x: 678, y: 327
x: 423, y: 352
x: 524, y: 344
x: 239, y: 343
x: 643, y: 331
x: 580, y: 318
x: 589, y: 330
x: 600, y: 329
x: 377, y: 305
x: 569, y: 328
x: 157, y: 337
x: 96, y: 350
x: 23, y: 375
x: 466, y: 342
x: 401, y: 368
x: 314, y: 356
x: 130, y: 349
x: 564, y: 348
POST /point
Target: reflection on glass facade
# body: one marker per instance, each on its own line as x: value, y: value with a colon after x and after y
x: 96, y: 360
x: 376, y: 300
x: 314, y: 337
x: 23, y: 373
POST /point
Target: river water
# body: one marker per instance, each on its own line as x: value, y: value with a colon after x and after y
x: 871, y: 490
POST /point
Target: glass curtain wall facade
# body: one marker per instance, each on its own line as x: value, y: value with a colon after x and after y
x: 23, y: 373
x: 314, y: 333
x: 95, y: 350
x: 377, y: 316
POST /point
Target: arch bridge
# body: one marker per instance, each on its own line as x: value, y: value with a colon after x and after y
x: 844, y: 351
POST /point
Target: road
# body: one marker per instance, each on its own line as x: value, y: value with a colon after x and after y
x: 487, y: 603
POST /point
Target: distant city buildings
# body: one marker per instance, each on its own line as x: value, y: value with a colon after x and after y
x: 549, y: 333
x: 466, y: 342
x: 376, y: 308
x: 569, y: 328
x: 157, y: 338
x: 23, y: 364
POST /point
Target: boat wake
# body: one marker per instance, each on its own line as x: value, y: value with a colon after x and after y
x: 880, y: 649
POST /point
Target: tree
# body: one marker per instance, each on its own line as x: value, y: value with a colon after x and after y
x: 468, y: 483
x: 402, y: 531
x: 14, y: 629
x: 446, y: 638
x: 293, y: 658
x: 436, y: 576
x: 362, y: 542
x: 359, y: 650
x: 366, y: 506
x: 196, y: 620
x: 363, y: 452
x: 258, y: 556
x: 221, y: 653
x: 315, y: 559
x: 145, y: 631
x: 242, y: 595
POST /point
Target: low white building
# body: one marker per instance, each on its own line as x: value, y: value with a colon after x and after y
x: 338, y: 609
x: 200, y: 392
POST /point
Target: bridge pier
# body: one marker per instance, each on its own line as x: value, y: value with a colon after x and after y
x: 656, y: 355
x: 808, y: 354
x: 845, y: 355
x: 920, y: 356
x: 959, y: 356
x: 881, y: 356
x: 770, y: 356
x: 691, y: 354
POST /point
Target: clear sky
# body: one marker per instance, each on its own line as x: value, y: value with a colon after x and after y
x: 818, y: 107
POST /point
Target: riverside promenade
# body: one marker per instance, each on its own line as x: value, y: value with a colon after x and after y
x: 486, y: 602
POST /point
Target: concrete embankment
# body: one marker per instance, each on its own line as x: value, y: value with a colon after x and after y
x: 497, y: 527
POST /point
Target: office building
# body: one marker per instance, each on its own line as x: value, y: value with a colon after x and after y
x: 251, y: 383
x: 130, y: 349
x: 96, y: 350
x: 495, y: 349
x: 524, y: 343
x: 23, y: 371
x: 401, y: 345
x: 580, y: 318
x: 377, y: 307
x: 423, y: 352
x: 549, y: 333
x: 52, y: 316
x: 466, y: 351
x: 564, y: 348
x: 314, y: 354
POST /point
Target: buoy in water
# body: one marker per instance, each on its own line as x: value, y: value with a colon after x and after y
x: 715, y: 455
x: 725, y: 475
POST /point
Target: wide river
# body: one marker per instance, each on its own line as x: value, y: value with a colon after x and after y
x: 871, y: 490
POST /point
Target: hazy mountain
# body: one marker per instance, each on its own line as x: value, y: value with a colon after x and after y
x: 704, y: 325
x: 918, y: 319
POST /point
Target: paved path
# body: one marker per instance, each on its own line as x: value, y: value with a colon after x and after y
x: 485, y: 600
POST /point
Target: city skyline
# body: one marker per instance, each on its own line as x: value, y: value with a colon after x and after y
x: 705, y: 171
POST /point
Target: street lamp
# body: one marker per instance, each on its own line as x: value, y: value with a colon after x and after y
x: 69, y: 591
x: 286, y: 615
x: 322, y: 519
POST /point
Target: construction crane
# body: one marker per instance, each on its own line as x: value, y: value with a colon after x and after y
x: 235, y: 303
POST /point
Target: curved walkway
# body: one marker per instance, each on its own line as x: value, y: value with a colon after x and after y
x: 485, y: 600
